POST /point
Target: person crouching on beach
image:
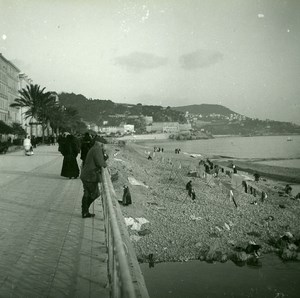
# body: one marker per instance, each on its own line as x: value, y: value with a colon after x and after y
x: 91, y: 175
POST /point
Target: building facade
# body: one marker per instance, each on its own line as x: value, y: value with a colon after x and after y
x: 9, y: 86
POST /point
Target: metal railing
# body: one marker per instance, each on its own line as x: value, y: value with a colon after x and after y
x: 125, y: 277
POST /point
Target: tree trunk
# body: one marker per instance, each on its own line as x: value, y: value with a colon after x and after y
x: 43, y: 132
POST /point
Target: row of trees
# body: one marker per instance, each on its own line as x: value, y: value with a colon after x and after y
x: 43, y: 109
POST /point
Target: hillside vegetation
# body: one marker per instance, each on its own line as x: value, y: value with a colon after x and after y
x: 212, y: 118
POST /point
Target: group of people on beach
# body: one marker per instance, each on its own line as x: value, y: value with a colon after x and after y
x: 158, y: 149
x: 93, y: 158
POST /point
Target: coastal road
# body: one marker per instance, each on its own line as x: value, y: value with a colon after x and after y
x: 46, y: 248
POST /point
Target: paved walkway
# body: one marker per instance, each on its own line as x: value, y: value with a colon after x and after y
x: 46, y: 248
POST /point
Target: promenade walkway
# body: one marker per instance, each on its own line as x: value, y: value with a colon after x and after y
x: 46, y: 248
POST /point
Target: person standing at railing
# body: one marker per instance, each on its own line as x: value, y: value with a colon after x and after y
x: 91, y: 175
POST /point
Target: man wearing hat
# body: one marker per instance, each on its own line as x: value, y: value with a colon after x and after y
x: 91, y: 175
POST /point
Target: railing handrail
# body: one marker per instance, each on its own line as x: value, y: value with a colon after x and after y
x: 121, y: 280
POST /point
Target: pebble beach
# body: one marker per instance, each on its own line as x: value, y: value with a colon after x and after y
x: 216, y: 226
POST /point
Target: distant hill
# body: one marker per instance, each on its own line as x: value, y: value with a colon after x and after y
x: 215, y: 119
x: 205, y: 109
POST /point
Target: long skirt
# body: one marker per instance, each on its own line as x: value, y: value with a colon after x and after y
x: 70, y: 167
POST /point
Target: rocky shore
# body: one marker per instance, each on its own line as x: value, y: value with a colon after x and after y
x: 165, y: 224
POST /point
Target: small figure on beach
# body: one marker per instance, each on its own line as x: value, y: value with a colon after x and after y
x: 288, y: 189
x: 189, y: 188
x: 234, y: 169
x: 193, y: 194
x: 126, y: 200
x: 207, y: 168
x: 256, y: 177
x: 216, y: 171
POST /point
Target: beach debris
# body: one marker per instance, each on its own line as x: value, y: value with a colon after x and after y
x: 218, y: 228
x: 227, y: 226
x: 252, y: 247
x: 231, y: 196
x: 114, y: 176
x: 135, y: 224
x: 195, y: 155
x: 152, y: 203
x: 193, y: 217
x: 198, y: 244
x: 144, y: 232
x: 115, y: 154
x: 133, y: 181
x: 192, y: 174
x: 254, y: 233
x: 161, y: 208
x: 118, y: 159
x: 129, y: 221
x: 254, y: 203
x: 135, y: 238
x: 287, y: 236
x: 231, y: 224
x: 210, y: 180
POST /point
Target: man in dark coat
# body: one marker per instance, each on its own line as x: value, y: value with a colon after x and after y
x: 91, y: 175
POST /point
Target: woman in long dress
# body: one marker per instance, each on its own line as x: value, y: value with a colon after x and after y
x: 70, y: 150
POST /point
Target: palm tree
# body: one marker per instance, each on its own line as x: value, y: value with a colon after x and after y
x: 37, y: 103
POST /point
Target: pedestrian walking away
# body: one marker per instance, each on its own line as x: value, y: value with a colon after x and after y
x: 69, y: 150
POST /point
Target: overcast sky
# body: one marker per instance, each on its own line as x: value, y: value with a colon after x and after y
x: 243, y: 54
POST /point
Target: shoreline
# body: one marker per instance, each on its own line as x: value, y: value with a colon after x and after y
x: 210, y: 228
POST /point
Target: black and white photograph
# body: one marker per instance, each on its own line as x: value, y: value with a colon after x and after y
x: 149, y: 148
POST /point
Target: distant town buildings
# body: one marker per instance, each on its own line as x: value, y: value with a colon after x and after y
x: 168, y: 127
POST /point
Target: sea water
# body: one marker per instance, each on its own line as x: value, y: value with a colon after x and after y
x: 194, y: 279
x: 267, y: 147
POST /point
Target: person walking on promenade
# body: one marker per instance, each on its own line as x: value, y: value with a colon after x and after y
x: 27, y: 146
x: 91, y: 175
x: 69, y: 150
x: 86, y: 144
x: 61, y: 140
x: 33, y: 141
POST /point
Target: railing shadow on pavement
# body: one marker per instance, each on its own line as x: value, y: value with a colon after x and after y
x: 124, y: 273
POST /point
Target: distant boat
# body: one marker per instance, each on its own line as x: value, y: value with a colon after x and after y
x: 289, y: 139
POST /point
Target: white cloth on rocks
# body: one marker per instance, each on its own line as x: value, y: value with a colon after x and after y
x: 136, y: 223
x: 133, y: 181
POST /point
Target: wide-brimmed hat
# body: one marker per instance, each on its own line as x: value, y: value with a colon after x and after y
x: 100, y: 139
